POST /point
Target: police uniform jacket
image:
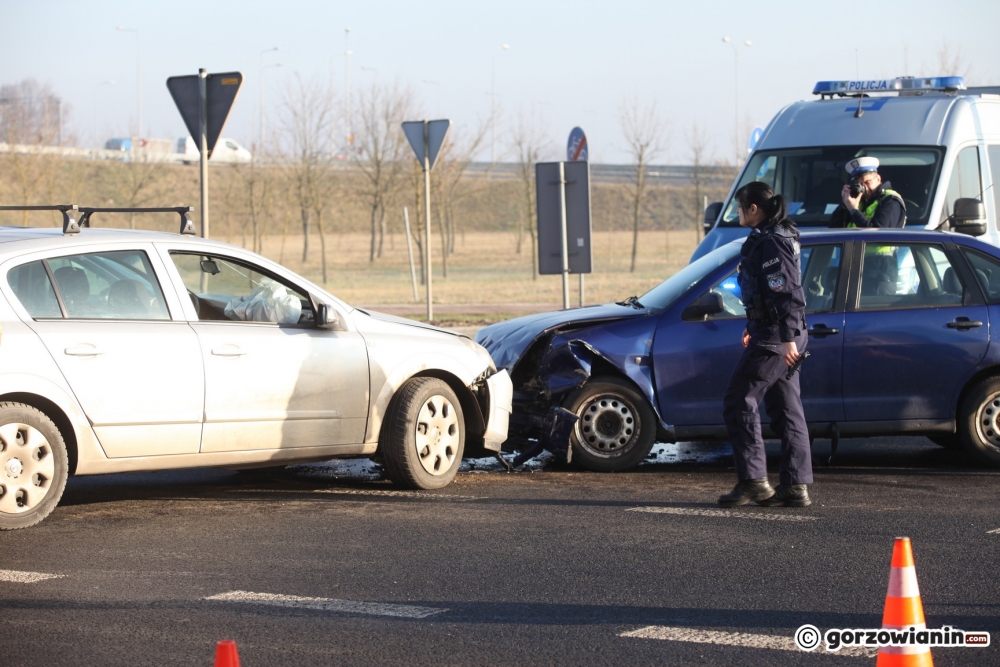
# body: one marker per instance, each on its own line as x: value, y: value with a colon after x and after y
x: 886, y: 210
x: 770, y: 280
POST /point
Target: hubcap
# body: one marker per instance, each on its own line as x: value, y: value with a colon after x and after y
x: 28, y: 468
x: 988, y: 422
x: 437, y: 435
x: 608, y: 426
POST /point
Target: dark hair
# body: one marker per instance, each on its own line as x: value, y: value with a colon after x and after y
x: 763, y: 196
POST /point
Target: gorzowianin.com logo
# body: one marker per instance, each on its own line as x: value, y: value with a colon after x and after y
x: 809, y: 637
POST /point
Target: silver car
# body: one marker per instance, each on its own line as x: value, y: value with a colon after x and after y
x: 126, y: 350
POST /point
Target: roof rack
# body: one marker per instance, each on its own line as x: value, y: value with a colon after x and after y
x: 72, y: 226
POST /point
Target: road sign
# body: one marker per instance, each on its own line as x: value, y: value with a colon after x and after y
x: 563, y: 208
x: 431, y: 142
x: 755, y: 135
x: 576, y: 149
x: 220, y: 91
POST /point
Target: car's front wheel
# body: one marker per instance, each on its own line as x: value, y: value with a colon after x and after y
x: 616, y: 426
x: 33, y: 466
x: 979, y: 422
x: 423, y: 435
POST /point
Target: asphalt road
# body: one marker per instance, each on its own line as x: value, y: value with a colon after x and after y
x: 327, y: 565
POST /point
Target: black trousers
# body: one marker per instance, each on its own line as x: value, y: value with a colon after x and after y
x: 760, y: 374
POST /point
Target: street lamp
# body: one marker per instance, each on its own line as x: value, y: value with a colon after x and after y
x: 349, y: 138
x: 736, y: 65
x: 138, y: 74
x: 493, y: 110
x: 437, y: 87
x: 260, y: 71
x: 109, y: 82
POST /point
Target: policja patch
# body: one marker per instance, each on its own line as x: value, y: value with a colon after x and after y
x: 776, y: 281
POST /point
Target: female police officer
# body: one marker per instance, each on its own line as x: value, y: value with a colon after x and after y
x: 770, y: 281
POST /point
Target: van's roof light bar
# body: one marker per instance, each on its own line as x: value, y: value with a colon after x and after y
x: 901, y: 84
x: 71, y: 226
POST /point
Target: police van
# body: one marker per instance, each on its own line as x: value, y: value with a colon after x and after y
x: 936, y: 141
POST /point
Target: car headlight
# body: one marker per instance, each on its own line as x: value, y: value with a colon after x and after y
x: 479, y: 350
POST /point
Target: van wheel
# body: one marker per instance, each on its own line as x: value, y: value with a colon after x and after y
x: 423, y: 436
x: 33, y: 466
x: 979, y: 422
x: 616, y: 428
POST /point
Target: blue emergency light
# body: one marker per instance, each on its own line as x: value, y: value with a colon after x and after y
x: 889, y: 85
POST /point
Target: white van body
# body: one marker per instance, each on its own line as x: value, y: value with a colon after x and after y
x: 226, y: 150
x: 936, y: 142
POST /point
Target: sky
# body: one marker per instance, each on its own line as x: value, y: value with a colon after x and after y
x: 568, y: 63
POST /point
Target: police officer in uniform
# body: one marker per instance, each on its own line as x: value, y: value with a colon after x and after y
x: 770, y: 280
x: 875, y: 205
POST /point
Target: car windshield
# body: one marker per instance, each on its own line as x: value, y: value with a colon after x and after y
x: 666, y: 293
x: 811, y: 179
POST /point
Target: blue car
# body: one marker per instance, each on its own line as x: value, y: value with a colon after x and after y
x: 899, y: 330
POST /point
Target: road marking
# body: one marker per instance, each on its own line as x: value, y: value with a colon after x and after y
x: 17, y: 577
x: 993, y: 532
x: 723, y: 513
x: 421, y: 495
x: 328, y: 604
x: 741, y: 639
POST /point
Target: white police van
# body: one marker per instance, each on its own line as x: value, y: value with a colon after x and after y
x: 937, y: 142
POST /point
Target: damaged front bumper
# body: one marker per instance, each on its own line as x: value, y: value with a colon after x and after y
x: 500, y: 390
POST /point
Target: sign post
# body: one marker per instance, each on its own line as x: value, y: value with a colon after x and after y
x: 563, y: 210
x: 577, y: 151
x: 426, y: 137
x: 204, y: 101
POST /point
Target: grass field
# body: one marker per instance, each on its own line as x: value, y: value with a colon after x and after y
x: 485, y: 270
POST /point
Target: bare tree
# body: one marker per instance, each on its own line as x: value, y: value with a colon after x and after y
x: 697, y: 142
x: 137, y: 181
x: 380, y: 150
x: 530, y: 145
x: 643, y: 130
x: 257, y: 191
x: 306, y: 117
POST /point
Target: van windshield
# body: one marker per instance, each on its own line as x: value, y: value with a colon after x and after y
x: 810, y: 179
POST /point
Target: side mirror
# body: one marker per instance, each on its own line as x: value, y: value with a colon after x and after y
x: 711, y: 215
x: 709, y: 303
x: 969, y: 217
x: 327, y: 317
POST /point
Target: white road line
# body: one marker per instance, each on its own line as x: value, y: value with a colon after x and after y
x: 328, y: 604
x: 993, y: 532
x: 368, y: 492
x: 724, y: 513
x: 16, y: 577
x: 741, y: 639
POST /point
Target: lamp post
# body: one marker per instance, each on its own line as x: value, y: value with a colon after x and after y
x: 349, y: 137
x: 437, y: 87
x: 109, y: 82
x: 260, y: 71
x: 138, y: 76
x: 493, y: 110
x: 736, y: 67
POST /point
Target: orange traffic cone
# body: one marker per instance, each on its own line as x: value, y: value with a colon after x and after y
x: 903, y: 609
x: 226, y: 655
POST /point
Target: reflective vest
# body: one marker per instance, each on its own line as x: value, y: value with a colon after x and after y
x: 869, y: 212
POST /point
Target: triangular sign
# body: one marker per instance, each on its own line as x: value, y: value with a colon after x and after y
x: 221, y: 91
x: 426, y: 135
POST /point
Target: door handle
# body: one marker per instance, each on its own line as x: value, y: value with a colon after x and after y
x: 822, y: 330
x: 228, y: 351
x: 964, y: 323
x: 83, y: 351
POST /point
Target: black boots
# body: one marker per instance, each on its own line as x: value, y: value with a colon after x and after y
x: 788, y: 495
x: 748, y: 491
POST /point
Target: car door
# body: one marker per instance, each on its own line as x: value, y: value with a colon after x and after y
x: 694, y: 360
x: 272, y: 378
x: 133, y: 363
x: 914, y: 330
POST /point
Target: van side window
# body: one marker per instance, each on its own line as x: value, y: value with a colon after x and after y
x: 965, y: 180
x: 993, y: 152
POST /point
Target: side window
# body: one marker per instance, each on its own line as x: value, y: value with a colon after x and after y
x: 993, y: 152
x: 32, y: 287
x: 820, y: 275
x: 987, y: 271
x: 117, y: 285
x: 965, y: 180
x: 225, y: 290
x: 908, y: 276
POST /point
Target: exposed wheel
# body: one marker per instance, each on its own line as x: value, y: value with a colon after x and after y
x: 33, y: 466
x: 979, y: 422
x: 423, y: 435
x: 617, y: 426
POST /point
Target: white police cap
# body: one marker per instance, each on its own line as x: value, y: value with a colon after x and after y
x: 859, y: 165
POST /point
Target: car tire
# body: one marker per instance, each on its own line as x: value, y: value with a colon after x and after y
x: 423, y: 436
x: 33, y: 466
x: 979, y: 422
x: 617, y: 426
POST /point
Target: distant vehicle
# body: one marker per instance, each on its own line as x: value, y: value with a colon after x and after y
x: 937, y: 142
x: 126, y: 144
x: 226, y: 150
x: 118, y: 144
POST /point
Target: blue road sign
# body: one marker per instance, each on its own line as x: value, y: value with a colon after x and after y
x: 576, y: 149
x: 755, y: 135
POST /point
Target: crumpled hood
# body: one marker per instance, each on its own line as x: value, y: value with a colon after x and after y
x: 507, y: 341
